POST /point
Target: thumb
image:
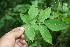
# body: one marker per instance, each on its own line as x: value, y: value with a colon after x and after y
x: 17, y: 32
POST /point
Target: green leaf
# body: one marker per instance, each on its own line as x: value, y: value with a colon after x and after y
x: 29, y: 31
x: 55, y: 24
x: 54, y: 15
x: 21, y: 8
x: 44, y: 14
x: 33, y: 21
x: 35, y: 26
x: 40, y: 1
x: 33, y: 11
x: 33, y: 45
x: 45, y: 34
x: 25, y: 18
x: 66, y: 19
x: 38, y: 45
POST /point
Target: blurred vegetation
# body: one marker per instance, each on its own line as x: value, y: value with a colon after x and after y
x: 11, y: 9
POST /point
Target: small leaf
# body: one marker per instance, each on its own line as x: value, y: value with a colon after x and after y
x: 54, y: 15
x: 33, y: 11
x: 44, y: 14
x: 29, y: 31
x: 55, y: 24
x: 66, y: 19
x: 25, y: 18
x: 45, y: 34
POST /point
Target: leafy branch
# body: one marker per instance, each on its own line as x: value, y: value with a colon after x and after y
x: 35, y: 21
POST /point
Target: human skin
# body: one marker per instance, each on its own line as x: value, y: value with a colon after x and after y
x: 14, y: 38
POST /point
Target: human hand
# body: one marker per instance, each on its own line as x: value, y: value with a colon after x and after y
x: 14, y: 38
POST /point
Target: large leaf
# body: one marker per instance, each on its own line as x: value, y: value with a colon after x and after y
x: 45, y: 34
x: 44, y: 14
x: 33, y: 11
x: 29, y: 31
x: 55, y: 24
x: 25, y: 18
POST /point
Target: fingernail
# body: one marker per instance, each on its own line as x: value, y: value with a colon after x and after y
x: 21, y: 29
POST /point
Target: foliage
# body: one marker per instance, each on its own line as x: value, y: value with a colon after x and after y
x: 41, y: 19
x: 53, y: 24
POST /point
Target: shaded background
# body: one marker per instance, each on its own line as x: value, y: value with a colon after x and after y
x: 10, y: 10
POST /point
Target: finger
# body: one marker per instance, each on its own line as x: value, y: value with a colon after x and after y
x: 17, y: 32
x: 23, y: 37
x: 20, y: 44
x: 17, y: 40
x: 16, y: 45
x: 25, y: 43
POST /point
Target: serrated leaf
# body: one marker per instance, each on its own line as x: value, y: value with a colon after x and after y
x: 29, y: 31
x: 55, y: 24
x: 33, y: 11
x: 45, y: 34
x: 25, y: 18
x: 44, y: 14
